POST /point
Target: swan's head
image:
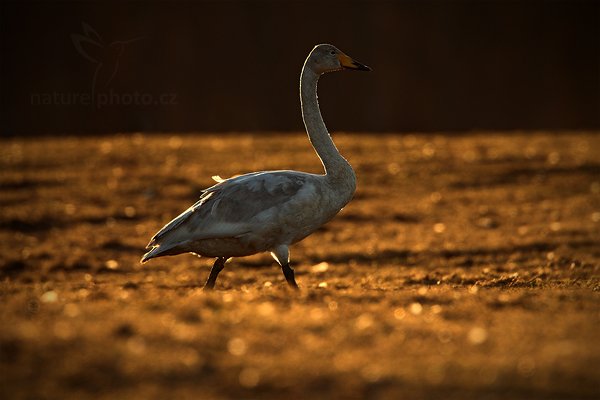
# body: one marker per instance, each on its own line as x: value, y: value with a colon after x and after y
x: 328, y: 58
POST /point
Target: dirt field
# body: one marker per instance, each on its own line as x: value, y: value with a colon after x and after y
x: 466, y: 267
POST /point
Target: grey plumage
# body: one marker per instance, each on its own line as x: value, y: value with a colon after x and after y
x: 268, y: 211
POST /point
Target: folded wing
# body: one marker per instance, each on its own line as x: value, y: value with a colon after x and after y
x: 228, y: 208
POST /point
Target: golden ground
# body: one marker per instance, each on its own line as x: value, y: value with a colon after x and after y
x: 467, y: 266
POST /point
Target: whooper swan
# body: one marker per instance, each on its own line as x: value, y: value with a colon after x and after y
x: 269, y: 210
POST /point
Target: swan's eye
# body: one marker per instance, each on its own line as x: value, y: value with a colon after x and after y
x: 332, y: 52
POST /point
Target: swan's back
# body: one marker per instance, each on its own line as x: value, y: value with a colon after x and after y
x: 246, y: 205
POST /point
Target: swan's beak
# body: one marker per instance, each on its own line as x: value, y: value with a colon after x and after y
x: 348, y: 63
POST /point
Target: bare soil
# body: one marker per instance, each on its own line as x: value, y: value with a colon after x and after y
x: 467, y: 266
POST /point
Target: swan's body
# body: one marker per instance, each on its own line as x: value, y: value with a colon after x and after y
x: 268, y: 211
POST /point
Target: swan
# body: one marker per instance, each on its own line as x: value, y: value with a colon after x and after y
x: 269, y: 210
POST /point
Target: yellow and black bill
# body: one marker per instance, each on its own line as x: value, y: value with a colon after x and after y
x: 348, y: 63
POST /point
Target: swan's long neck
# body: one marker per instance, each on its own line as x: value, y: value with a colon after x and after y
x: 336, y: 166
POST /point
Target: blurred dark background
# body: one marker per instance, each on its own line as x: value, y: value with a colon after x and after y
x: 96, y: 67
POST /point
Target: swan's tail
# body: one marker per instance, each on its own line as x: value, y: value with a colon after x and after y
x: 156, y: 251
x: 163, y: 249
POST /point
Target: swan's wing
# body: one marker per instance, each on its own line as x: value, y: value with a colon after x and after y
x: 227, y: 208
x: 241, y: 198
x: 175, y: 222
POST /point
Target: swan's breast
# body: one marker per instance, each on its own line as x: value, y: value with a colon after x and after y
x: 311, y: 207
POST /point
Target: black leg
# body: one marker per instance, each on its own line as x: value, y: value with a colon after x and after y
x: 288, y: 272
x: 214, y: 272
